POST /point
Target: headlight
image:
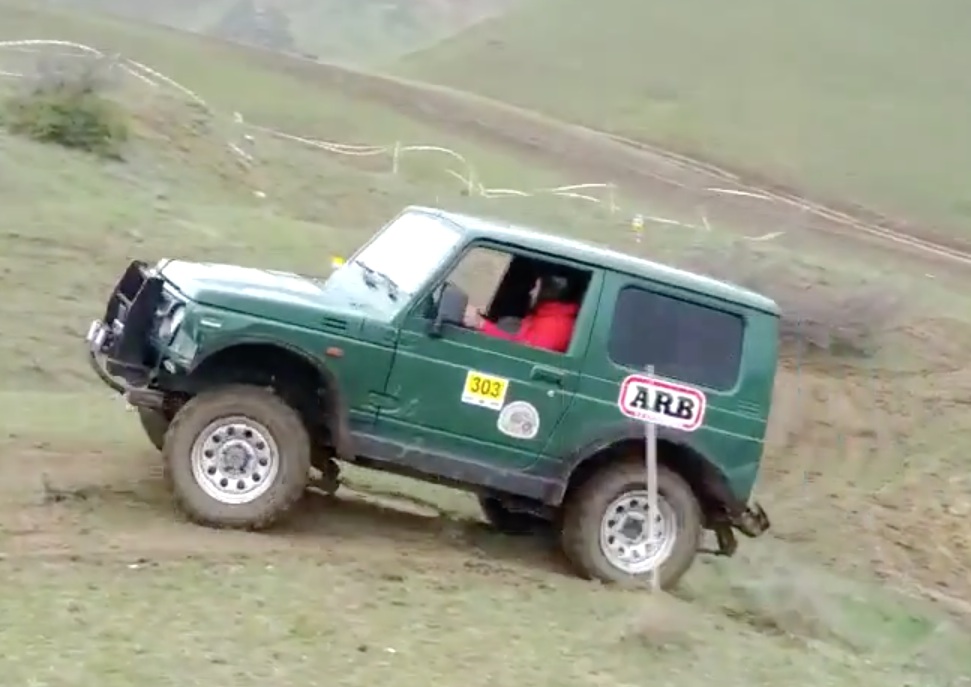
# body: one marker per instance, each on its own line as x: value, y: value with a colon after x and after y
x: 171, y: 323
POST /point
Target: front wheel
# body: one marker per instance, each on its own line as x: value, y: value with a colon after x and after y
x: 606, y: 526
x: 237, y: 457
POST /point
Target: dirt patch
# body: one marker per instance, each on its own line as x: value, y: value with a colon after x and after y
x: 860, y: 457
x: 683, y: 184
x: 114, y: 505
x: 662, y: 621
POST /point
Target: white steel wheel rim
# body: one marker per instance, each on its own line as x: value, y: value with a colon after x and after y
x: 235, y: 460
x: 625, y: 533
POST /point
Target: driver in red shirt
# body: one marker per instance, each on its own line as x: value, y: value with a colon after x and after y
x: 549, y: 323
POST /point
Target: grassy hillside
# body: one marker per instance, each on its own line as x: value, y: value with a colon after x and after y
x: 858, y: 100
x: 367, y: 589
x: 355, y: 30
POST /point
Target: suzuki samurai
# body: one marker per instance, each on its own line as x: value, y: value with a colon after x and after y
x: 410, y: 358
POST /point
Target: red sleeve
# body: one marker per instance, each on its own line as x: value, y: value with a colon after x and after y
x: 551, y: 333
x: 490, y: 329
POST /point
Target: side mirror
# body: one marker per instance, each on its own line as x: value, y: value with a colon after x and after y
x: 452, y: 303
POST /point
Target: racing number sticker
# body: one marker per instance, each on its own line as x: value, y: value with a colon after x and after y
x: 484, y: 390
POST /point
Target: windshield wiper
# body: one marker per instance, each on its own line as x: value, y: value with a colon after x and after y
x: 370, y: 274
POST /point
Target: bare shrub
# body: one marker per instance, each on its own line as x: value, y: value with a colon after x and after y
x: 65, y: 102
x: 845, y: 319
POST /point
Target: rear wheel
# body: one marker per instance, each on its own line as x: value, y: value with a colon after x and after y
x: 237, y: 457
x: 606, y: 526
x: 155, y: 425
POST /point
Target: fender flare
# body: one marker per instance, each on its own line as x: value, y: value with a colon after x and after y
x: 339, y: 422
x: 705, y: 477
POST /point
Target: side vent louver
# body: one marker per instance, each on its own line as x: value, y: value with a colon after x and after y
x: 749, y: 407
x: 334, y: 324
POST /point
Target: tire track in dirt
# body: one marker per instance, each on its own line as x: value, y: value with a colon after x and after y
x: 641, y: 169
x: 841, y: 465
x: 858, y: 218
x: 113, y: 506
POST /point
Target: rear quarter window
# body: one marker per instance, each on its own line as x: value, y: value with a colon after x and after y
x: 686, y: 341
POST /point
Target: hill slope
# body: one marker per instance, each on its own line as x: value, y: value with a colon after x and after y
x: 371, y: 591
x: 356, y: 30
x: 861, y: 99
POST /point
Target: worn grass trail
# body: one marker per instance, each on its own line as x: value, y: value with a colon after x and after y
x: 856, y: 101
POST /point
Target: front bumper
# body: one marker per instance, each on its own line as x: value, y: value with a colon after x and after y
x: 119, y: 351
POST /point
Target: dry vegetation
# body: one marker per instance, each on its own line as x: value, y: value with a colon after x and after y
x: 67, y: 102
x: 846, y: 319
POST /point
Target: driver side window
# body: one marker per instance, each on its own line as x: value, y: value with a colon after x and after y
x: 479, y: 273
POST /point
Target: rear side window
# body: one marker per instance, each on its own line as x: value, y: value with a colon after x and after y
x: 685, y: 341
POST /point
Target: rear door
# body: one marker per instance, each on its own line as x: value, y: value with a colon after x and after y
x: 695, y: 341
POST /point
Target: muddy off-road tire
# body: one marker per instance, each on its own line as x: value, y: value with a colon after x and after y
x: 237, y: 457
x: 507, y: 521
x: 155, y: 425
x: 614, y: 495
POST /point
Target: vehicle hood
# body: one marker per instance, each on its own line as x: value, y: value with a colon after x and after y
x: 269, y: 294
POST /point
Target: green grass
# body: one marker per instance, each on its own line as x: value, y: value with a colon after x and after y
x: 106, y: 583
x: 863, y: 101
x: 311, y: 621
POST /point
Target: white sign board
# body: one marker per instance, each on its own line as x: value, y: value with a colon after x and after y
x: 662, y: 402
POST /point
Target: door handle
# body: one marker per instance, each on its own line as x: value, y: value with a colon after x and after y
x: 551, y: 375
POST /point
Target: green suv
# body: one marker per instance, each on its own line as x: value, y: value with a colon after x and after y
x: 256, y: 383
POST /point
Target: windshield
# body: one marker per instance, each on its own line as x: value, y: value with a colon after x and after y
x: 408, y: 251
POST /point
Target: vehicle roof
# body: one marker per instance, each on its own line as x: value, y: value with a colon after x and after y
x: 611, y: 259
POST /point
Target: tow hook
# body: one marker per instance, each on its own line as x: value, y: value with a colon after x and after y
x: 753, y: 521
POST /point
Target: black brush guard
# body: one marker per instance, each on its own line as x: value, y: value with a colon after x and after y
x: 123, y: 350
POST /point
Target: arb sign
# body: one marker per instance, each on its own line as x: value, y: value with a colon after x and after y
x: 664, y: 403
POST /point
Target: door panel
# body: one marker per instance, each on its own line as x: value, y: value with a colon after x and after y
x: 453, y: 390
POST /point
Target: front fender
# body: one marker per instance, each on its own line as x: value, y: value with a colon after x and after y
x: 278, y: 358
x: 213, y: 347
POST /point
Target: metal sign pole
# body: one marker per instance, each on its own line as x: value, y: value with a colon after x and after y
x: 650, y: 454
